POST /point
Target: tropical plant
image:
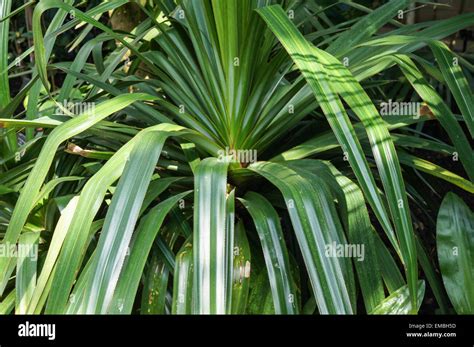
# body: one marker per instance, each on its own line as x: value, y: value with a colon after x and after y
x: 150, y: 198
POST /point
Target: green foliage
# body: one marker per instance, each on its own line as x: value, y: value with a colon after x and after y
x: 230, y: 157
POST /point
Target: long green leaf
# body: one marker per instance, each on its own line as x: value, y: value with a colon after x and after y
x: 307, y: 209
x: 325, y: 184
x: 229, y: 237
x: 454, y: 77
x: 242, y: 270
x: 131, y: 273
x: 455, y: 242
x: 7, y: 305
x: 55, y: 245
x: 390, y: 271
x: 183, y: 280
x: 26, y: 270
x: 360, y: 232
x: 209, y: 243
x: 268, y: 226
